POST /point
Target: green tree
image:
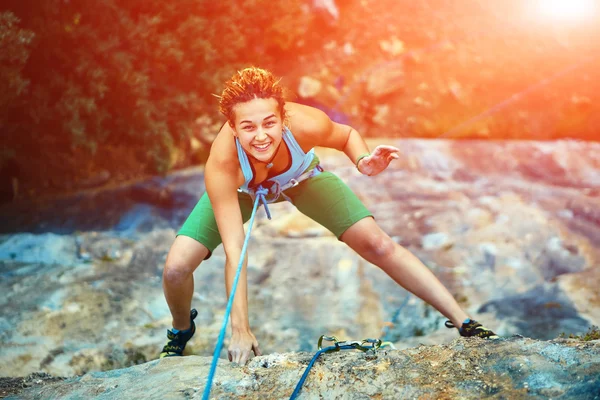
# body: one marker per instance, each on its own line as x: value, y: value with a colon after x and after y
x: 14, y: 52
x: 138, y: 73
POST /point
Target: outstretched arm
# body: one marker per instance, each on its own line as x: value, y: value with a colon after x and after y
x: 221, y: 185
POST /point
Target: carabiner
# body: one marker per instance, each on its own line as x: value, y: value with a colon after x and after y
x: 329, y: 339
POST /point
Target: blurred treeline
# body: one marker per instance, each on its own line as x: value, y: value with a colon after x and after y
x: 93, y: 77
x: 103, y: 91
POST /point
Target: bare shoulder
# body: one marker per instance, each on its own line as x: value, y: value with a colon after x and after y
x: 307, y: 123
x: 312, y: 128
x: 223, y: 147
x: 223, y: 155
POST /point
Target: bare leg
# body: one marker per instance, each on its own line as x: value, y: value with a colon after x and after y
x: 185, y: 256
x: 374, y: 245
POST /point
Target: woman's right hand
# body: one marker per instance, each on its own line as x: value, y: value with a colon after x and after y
x: 243, y: 343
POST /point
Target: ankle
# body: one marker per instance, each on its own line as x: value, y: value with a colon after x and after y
x: 181, y: 327
x: 184, y: 324
x: 458, y: 323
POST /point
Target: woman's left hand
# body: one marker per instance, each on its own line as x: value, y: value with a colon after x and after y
x: 379, y: 160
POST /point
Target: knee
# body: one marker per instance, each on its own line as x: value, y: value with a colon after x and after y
x: 176, y: 273
x: 378, y: 247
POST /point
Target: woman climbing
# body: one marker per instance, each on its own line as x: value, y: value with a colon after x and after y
x: 269, y: 142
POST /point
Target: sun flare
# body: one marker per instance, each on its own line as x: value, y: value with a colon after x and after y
x: 567, y: 9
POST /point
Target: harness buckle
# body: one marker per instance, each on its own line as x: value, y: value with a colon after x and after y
x: 294, y: 182
x: 274, y: 190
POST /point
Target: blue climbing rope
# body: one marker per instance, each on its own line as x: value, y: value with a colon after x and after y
x: 260, y: 197
x: 310, y: 365
x: 369, y: 346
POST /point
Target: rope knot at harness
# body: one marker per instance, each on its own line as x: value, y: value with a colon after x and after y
x: 276, y: 189
x: 261, y: 193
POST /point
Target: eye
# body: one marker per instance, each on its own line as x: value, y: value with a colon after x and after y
x: 247, y: 127
x: 270, y: 124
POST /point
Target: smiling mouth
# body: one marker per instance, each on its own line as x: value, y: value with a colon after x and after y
x: 262, y: 147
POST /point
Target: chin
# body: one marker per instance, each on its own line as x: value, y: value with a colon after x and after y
x: 266, y: 154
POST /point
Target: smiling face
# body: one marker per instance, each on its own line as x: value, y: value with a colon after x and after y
x: 259, y: 127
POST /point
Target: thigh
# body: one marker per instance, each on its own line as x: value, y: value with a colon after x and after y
x: 201, y: 224
x: 327, y: 200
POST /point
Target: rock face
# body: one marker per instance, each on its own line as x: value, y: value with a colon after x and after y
x: 513, y: 368
x: 511, y: 228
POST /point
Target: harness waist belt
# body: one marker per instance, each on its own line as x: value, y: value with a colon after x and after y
x: 308, y: 174
x: 277, y: 189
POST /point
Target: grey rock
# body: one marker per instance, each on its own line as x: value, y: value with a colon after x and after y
x: 464, y: 368
x: 91, y: 299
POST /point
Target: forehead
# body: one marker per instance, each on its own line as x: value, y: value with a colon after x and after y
x: 255, y: 110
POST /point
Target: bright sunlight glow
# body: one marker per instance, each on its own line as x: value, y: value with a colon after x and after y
x: 572, y: 10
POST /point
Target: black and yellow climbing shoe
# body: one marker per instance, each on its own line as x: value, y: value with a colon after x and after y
x: 178, y: 339
x: 471, y: 328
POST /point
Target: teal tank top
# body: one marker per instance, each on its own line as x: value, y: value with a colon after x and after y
x: 300, y: 161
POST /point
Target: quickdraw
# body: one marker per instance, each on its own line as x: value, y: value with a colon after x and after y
x: 369, y: 346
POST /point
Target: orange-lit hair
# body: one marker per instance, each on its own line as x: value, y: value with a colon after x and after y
x: 247, y: 84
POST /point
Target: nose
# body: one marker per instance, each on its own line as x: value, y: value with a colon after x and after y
x: 260, y: 135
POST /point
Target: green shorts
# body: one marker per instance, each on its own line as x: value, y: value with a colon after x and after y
x: 324, y: 198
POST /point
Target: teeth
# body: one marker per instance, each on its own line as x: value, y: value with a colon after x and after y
x: 262, y: 147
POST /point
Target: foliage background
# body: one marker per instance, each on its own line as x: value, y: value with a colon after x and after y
x: 96, y: 92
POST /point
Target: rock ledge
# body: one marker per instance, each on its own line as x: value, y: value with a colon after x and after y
x: 472, y: 368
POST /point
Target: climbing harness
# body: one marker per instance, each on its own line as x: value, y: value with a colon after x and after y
x: 260, y: 194
x: 369, y: 346
x: 276, y: 189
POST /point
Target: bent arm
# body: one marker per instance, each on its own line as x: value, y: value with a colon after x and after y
x: 319, y: 130
x: 355, y: 145
x: 221, y: 186
x: 340, y: 137
x: 357, y: 150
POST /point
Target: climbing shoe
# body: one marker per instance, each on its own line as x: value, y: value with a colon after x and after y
x: 473, y: 328
x: 178, y: 339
